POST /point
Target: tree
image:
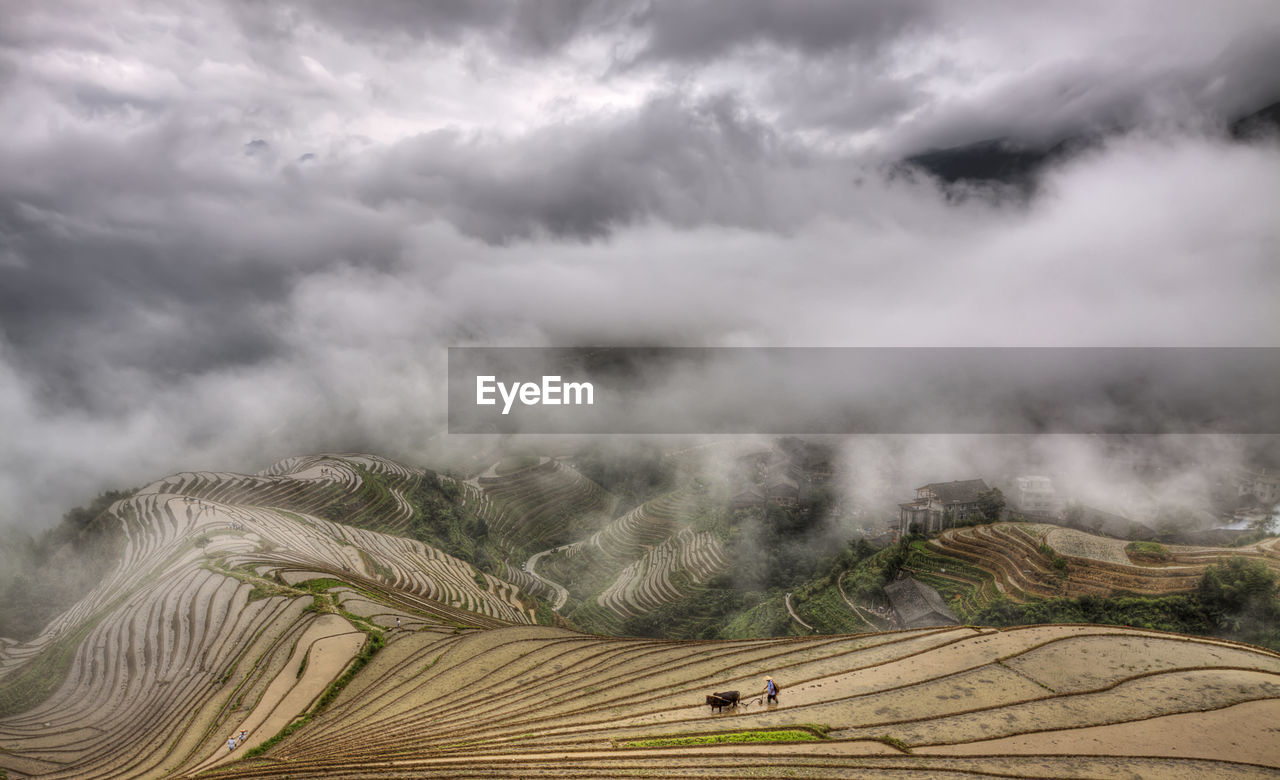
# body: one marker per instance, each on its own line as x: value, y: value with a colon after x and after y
x: 991, y: 504
x: 1263, y: 526
x: 1239, y: 593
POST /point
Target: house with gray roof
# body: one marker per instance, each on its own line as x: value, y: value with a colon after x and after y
x: 940, y: 505
x: 917, y: 605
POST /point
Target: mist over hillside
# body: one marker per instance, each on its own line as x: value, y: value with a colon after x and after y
x: 246, y: 249
x: 232, y: 234
x: 231, y: 628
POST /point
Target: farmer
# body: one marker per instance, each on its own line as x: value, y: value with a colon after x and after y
x: 244, y: 734
x: 770, y: 691
x: 397, y: 622
x: 231, y: 744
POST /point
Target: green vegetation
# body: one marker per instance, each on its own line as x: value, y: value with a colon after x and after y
x: 821, y: 606
x: 777, y: 546
x: 544, y: 615
x: 441, y: 520
x: 38, y: 679
x: 893, y: 742
x: 966, y: 587
x: 264, y: 590
x: 800, y: 733
x: 699, y: 616
x: 1235, y: 600
x: 1057, y: 561
x: 820, y: 603
x: 41, y: 577
x: 635, y: 478
x: 1239, y: 597
x: 376, y: 641
x: 767, y: 618
x: 1261, y: 528
x: 1153, y: 552
x: 1179, y: 612
x: 322, y: 585
x: 368, y: 506
x: 990, y: 509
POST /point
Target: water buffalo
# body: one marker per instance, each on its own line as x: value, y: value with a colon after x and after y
x: 719, y: 701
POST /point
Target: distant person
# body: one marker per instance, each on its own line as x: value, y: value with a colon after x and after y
x: 397, y: 622
x: 770, y: 691
x: 244, y: 734
x: 231, y: 744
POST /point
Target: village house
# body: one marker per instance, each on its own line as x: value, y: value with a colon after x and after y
x: 1263, y: 486
x: 783, y: 491
x: 1037, y: 496
x: 746, y: 498
x: 940, y: 505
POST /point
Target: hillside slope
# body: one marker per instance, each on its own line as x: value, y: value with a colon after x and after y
x: 195, y: 629
x: 1017, y: 561
x: 348, y: 652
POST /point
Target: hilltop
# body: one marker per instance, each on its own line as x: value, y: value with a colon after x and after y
x: 293, y: 604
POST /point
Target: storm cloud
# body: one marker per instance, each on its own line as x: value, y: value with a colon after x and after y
x: 234, y: 232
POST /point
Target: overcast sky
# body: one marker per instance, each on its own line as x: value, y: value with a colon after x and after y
x: 231, y: 232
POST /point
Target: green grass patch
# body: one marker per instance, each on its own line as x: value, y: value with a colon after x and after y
x: 1147, y: 552
x: 321, y: 585
x: 797, y: 733
x: 266, y: 590
x: 893, y: 742
x: 375, y: 642
x: 824, y: 609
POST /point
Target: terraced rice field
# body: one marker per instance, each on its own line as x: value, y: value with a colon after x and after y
x: 539, y: 506
x: 1043, y: 701
x: 640, y: 561
x: 186, y: 638
x: 1008, y: 557
x: 346, y: 652
x: 647, y: 584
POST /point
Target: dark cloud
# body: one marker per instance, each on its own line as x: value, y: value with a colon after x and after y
x: 1098, y: 95
x: 681, y: 162
x: 530, y: 27
x: 705, y: 29
x: 233, y: 232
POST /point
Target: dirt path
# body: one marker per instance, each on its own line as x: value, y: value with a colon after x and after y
x: 562, y: 595
x: 866, y: 617
x: 794, y: 616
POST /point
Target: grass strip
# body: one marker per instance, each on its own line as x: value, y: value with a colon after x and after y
x: 376, y: 641
x: 796, y: 733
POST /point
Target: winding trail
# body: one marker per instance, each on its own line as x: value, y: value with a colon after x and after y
x: 562, y: 595
x: 794, y: 616
x: 874, y: 621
